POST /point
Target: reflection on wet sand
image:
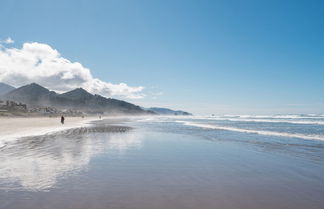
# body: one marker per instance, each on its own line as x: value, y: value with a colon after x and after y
x: 36, y: 163
x: 105, y: 166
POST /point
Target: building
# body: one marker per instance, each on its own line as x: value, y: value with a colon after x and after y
x: 12, y: 106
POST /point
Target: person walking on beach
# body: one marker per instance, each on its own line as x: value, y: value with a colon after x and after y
x: 62, y: 119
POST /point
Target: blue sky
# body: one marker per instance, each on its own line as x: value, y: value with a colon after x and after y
x: 222, y: 57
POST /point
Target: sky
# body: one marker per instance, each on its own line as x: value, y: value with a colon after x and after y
x: 206, y: 57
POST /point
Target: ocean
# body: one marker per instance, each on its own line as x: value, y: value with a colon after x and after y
x: 241, y: 162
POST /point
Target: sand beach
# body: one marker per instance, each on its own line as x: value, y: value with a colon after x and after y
x: 15, y: 127
x: 156, y: 163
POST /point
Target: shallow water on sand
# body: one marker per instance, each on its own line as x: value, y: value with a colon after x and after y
x: 159, y: 165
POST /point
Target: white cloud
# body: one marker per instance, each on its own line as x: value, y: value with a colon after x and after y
x: 7, y: 41
x: 40, y: 63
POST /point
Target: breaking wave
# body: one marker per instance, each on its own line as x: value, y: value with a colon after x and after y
x: 251, y: 131
x: 262, y: 120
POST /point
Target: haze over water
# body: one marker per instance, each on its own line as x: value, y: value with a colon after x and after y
x: 170, y: 162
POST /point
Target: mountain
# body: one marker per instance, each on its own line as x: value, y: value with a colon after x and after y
x: 5, y: 88
x: 31, y: 94
x: 77, y: 94
x: 166, y: 111
x: 35, y: 95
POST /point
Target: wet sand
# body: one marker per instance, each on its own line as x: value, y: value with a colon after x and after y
x: 115, y: 166
x: 12, y: 128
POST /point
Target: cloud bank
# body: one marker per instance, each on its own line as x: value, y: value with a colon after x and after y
x: 7, y: 41
x: 40, y: 63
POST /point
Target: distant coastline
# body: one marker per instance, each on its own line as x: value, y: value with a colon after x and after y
x: 36, y: 100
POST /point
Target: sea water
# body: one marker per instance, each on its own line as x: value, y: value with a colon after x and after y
x: 170, y: 162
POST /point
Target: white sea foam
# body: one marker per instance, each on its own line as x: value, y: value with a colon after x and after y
x: 310, y: 122
x: 308, y: 116
x: 250, y: 131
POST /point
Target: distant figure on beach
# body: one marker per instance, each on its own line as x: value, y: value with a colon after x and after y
x: 62, y: 119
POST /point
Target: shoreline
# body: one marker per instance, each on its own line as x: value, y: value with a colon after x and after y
x: 12, y: 128
x: 105, y: 165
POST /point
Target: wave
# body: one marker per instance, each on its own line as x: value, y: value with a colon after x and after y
x: 308, y: 116
x: 260, y: 132
x: 310, y: 122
